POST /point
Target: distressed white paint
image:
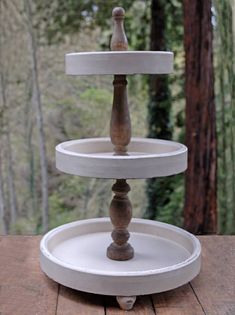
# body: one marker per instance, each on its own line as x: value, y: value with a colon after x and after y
x: 74, y: 255
x: 119, y: 62
x: 146, y: 158
x: 126, y: 302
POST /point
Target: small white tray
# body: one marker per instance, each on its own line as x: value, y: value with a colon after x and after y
x: 146, y: 158
x: 119, y: 62
x: 74, y: 255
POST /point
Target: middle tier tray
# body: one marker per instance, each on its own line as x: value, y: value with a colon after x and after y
x: 146, y: 158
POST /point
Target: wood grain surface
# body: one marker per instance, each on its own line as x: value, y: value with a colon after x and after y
x: 215, y: 287
x: 120, y: 212
x: 25, y: 290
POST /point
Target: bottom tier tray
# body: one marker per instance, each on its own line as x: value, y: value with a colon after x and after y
x: 74, y: 255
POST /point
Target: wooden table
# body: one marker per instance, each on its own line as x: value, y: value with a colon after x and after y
x: 25, y: 290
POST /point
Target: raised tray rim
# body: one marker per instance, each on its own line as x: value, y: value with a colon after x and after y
x: 127, y: 52
x: 193, y: 257
x: 61, y: 148
x: 119, y: 62
x: 128, y: 284
x: 134, y: 166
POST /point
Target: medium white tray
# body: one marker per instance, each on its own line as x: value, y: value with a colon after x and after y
x: 74, y: 255
x: 146, y: 158
x: 119, y: 62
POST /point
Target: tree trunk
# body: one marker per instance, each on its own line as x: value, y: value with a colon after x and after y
x: 29, y: 129
x: 225, y: 63
x: 200, y: 212
x: 4, y: 226
x: 11, y: 180
x: 233, y: 18
x: 158, y: 189
x: 5, y: 119
x: 36, y: 99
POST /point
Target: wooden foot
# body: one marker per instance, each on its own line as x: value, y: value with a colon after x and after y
x: 120, y: 215
x: 126, y: 302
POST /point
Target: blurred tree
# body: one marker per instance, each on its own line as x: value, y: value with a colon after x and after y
x: 36, y: 102
x: 4, y: 224
x: 60, y: 18
x: 200, y: 215
x: 9, y: 219
x: 164, y: 194
x: 158, y: 189
x: 225, y: 79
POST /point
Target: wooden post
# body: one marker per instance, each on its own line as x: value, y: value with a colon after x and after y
x: 120, y: 133
x: 120, y: 124
x: 120, y: 215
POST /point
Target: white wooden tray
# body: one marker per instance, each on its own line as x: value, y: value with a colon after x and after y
x: 119, y: 62
x: 146, y: 158
x: 75, y: 255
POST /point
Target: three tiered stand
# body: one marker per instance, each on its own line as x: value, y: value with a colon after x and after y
x: 85, y: 255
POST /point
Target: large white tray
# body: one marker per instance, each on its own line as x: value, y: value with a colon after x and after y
x: 75, y: 255
x: 119, y: 62
x: 146, y: 158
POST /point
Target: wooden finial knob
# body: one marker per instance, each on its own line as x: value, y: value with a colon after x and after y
x: 118, y: 13
x: 118, y: 40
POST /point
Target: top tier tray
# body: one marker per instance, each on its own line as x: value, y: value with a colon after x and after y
x: 119, y: 62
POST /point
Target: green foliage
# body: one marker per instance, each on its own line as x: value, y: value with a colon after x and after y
x: 165, y: 195
x: 58, y: 17
x: 60, y: 212
x: 174, y: 25
x: 71, y: 108
x: 77, y: 108
x: 172, y: 210
x: 225, y: 102
x: 159, y: 108
x: 96, y: 96
x: 25, y: 225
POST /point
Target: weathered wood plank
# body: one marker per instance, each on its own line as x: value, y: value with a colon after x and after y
x: 215, y: 287
x: 24, y: 290
x: 143, y: 306
x: 181, y: 301
x: 72, y: 302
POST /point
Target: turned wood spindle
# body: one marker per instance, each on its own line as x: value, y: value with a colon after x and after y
x: 120, y: 133
x: 120, y: 214
x: 120, y: 129
x: 120, y: 124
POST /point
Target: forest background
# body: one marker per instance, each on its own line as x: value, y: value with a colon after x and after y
x: 40, y: 107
